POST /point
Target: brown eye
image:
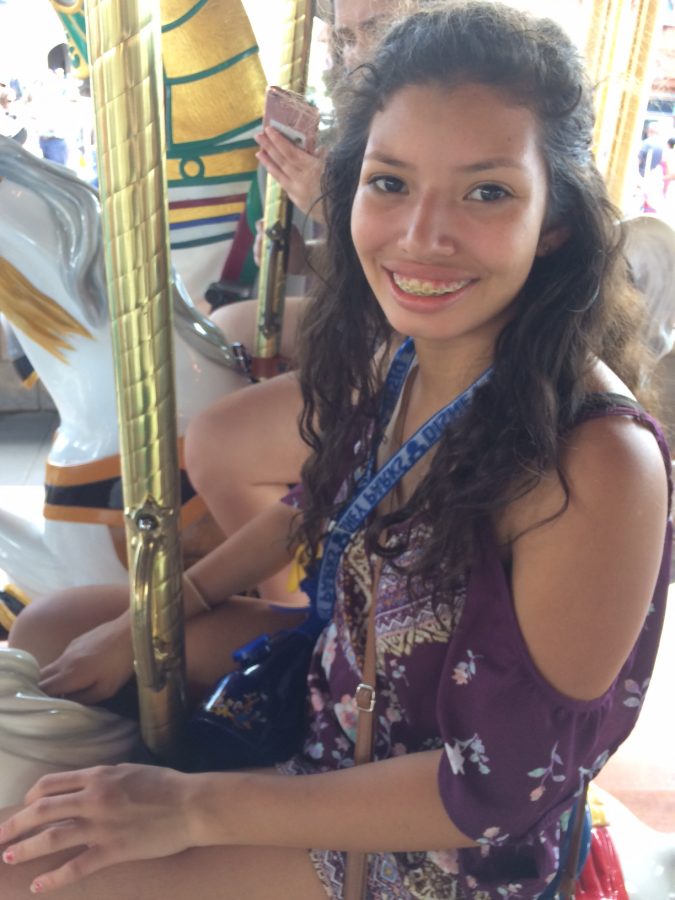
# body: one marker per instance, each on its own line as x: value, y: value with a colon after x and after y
x: 388, y: 184
x: 488, y: 193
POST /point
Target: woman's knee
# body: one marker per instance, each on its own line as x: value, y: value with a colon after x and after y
x: 47, y: 625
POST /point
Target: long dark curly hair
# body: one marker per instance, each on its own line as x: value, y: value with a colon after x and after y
x: 575, y: 306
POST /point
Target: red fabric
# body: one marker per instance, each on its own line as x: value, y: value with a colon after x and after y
x: 601, y: 878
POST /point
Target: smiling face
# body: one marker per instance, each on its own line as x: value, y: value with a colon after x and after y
x: 448, y: 214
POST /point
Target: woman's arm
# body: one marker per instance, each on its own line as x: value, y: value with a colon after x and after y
x: 253, y: 553
x: 97, y: 661
x: 582, y: 583
x: 124, y: 813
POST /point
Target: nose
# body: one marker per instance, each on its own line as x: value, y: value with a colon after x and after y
x: 430, y: 225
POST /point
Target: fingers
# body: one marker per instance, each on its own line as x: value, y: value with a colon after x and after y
x: 298, y: 172
x: 60, y: 783
x: 71, y: 683
x: 284, y: 152
x: 63, y: 839
x: 21, y: 828
x: 51, y: 822
x: 60, y: 836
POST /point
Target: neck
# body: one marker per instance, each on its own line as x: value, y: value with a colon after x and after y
x: 447, y: 369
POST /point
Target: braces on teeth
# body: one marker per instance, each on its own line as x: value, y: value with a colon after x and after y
x: 427, y: 288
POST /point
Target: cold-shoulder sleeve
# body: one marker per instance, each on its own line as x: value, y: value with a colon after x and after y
x: 517, y: 752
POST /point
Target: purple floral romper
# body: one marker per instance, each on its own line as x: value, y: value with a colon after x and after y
x: 453, y: 672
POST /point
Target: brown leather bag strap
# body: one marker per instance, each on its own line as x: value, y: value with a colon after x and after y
x: 357, y: 863
x: 568, y: 881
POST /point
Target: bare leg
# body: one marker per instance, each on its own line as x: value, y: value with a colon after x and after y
x: 243, y: 452
x: 213, y: 873
x: 238, y: 323
x: 47, y: 626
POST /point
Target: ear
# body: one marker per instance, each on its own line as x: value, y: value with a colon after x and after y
x: 551, y: 239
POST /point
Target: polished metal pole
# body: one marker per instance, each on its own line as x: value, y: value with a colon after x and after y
x: 295, y: 43
x: 127, y: 87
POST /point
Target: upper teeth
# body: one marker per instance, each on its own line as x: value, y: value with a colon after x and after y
x: 425, y: 288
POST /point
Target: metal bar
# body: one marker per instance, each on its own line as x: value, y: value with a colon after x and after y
x: 296, y: 35
x: 126, y: 73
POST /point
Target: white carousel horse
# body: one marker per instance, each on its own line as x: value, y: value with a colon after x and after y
x: 52, y: 291
x: 41, y: 734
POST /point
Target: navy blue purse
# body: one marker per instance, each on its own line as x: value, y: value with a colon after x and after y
x: 256, y: 715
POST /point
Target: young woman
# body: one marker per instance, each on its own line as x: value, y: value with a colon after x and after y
x: 517, y: 570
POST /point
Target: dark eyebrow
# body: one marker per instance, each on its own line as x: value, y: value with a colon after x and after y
x: 377, y: 156
x: 502, y: 162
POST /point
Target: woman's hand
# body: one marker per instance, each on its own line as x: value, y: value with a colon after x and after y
x: 110, y: 814
x: 94, y: 666
x: 298, y: 172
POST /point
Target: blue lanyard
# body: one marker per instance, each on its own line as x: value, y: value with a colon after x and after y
x: 378, y: 485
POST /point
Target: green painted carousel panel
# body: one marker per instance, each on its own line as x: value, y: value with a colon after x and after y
x: 226, y: 141
x: 202, y: 242
x: 174, y: 15
x: 205, y: 110
x: 73, y: 21
x: 221, y: 167
x: 202, y: 180
x: 218, y: 31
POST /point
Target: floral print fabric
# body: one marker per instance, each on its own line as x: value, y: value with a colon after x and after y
x: 453, y: 672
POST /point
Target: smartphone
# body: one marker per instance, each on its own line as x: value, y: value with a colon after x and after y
x: 293, y: 116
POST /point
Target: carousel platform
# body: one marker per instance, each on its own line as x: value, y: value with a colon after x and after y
x: 641, y: 774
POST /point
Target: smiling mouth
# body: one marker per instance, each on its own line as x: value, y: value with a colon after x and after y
x: 421, y: 287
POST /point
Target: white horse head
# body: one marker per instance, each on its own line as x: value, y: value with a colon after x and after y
x: 52, y: 291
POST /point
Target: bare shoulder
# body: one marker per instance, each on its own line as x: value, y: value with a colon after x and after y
x: 585, y: 564
x: 618, y: 450
x: 611, y: 448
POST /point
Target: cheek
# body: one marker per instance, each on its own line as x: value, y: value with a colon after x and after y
x: 359, y: 227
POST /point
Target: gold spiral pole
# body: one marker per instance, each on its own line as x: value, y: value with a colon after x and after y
x: 619, y: 54
x: 126, y: 73
x: 295, y: 43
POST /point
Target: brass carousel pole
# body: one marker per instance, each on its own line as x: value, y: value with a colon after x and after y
x: 295, y: 42
x: 619, y: 52
x: 126, y: 73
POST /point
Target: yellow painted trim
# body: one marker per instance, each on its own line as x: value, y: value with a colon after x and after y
x: 190, y: 213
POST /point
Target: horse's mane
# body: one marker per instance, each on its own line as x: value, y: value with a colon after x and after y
x: 75, y: 211
x: 35, y: 314
x: 76, y: 214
